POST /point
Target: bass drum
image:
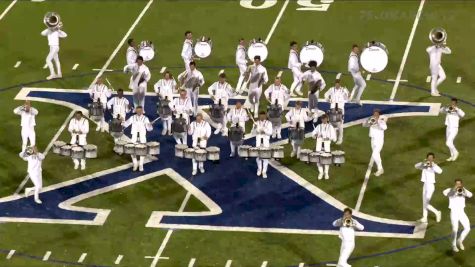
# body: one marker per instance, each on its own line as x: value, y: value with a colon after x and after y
x: 374, y: 57
x: 203, y: 47
x: 257, y: 48
x: 312, y: 51
x: 147, y: 50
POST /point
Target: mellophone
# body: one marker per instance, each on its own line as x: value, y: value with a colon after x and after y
x: 274, y: 152
x: 210, y: 153
x: 75, y: 151
x: 336, y: 157
x: 150, y: 148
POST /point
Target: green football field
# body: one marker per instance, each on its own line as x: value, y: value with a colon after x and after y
x: 96, y: 29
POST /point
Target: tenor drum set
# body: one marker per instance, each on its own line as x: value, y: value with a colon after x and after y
x: 375, y: 57
x: 336, y: 157
x: 96, y: 111
x: 147, y: 149
x: 257, y: 47
x: 75, y: 151
x: 312, y: 51
x: 274, y: 152
x: 210, y: 153
x: 203, y: 47
x: 146, y: 50
x: 115, y: 128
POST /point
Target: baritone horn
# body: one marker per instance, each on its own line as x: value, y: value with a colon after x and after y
x: 52, y: 20
x: 438, y: 36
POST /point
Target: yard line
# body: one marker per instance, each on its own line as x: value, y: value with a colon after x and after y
x: 17, y: 64
x: 163, y: 69
x: 428, y: 79
x: 368, y: 77
x: 264, y: 264
x: 119, y: 258
x: 192, y: 262
x: 8, y: 9
x: 392, y: 80
x: 459, y: 79
x: 126, y: 36
x: 106, y: 70
x: 302, y: 264
x: 10, y: 254
x: 45, y: 66
x: 279, y: 74
x: 365, y: 183
x: 408, y: 47
x: 75, y: 67
x: 82, y: 258
x: 47, y: 255
x: 276, y: 22
x: 228, y: 263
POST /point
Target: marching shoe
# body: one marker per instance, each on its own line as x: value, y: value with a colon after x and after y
x: 379, y: 172
x: 450, y: 159
x: 292, y: 154
x: 320, y: 176
x: 456, y: 155
x: 38, y: 201
x: 52, y: 76
x: 273, y: 136
x: 28, y: 191
x: 59, y: 76
x: 164, y: 131
x: 264, y: 175
x: 455, y: 249
x: 438, y: 216
x: 202, y: 170
x: 279, y: 136
x: 423, y: 220
x: 83, y: 167
x: 141, y: 168
x: 216, y: 131
x: 359, y: 103
x: 327, y: 176
x: 76, y: 166
x: 292, y: 95
x: 258, y: 173
x: 231, y: 155
x: 435, y: 94
x: 299, y: 93
x: 135, y: 167
x: 98, y: 128
x: 459, y: 242
x: 224, y: 133
x: 194, y: 172
x: 339, y: 142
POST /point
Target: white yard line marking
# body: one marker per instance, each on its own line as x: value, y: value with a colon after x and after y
x: 365, y: 183
x: 47, y: 255
x: 192, y: 262
x: 75, y: 67
x: 332, y: 264
x: 82, y: 258
x: 393, y: 80
x: 163, y: 69
x: 428, y: 79
x: 121, y: 43
x: 301, y: 264
x: 37, y: 1
x: 279, y: 74
x: 17, y: 64
x: 228, y: 263
x: 459, y: 79
x: 106, y: 70
x: 119, y: 259
x: 264, y: 264
x: 10, y: 254
x: 7, y: 9
x: 408, y: 47
x: 368, y: 77
x: 276, y: 22
x: 45, y: 66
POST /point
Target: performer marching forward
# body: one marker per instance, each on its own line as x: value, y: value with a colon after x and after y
x: 131, y: 55
x: 192, y: 80
x: 277, y: 94
x: 263, y: 130
x: 182, y: 108
x: 119, y: 104
x: 53, y: 42
x: 429, y: 169
x: 165, y: 88
x: 187, y: 50
x: 347, y: 226
x: 325, y: 134
x: 99, y: 92
x: 377, y: 125
x: 316, y: 84
x: 295, y: 66
x: 138, y: 81
x: 354, y: 70
x: 452, y: 119
x: 338, y: 96
x: 140, y: 125
x: 28, y: 123
x: 200, y: 130
x: 220, y: 92
x: 35, y: 171
x: 437, y: 72
x: 297, y: 117
x: 238, y: 117
x: 257, y: 75
x: 79, y: 127
x: 241, y: 62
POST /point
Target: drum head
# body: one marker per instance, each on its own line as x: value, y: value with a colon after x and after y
x: 374, y: 59
x: 147, y: 53
x: 257, y: 49
x: 311, y: 52
x: 202, y: 49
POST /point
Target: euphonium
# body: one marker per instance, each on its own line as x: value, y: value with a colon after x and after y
x: 438, y: 36
x: 52, y: 20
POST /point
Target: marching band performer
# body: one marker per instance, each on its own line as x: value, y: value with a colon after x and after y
x: 79, y: 127
x: 53, y: 42
x: 437, y: 72
x: 241, y: 62
x: 338, y: 96
x: 295, y: 66
x: 131, y: 55
x: 200, y: 130
x: 354, y: 69
x: 377, y: 125
x: 454, y: 114
x: 457, y: 197
x: 429, y: 169
x: 28, y: 122
x: 237, y: 116
x: 138, y: 81
x: 99, y: 92
x: 191, y: 80
x: 220, y: 92
x: 119, y: 105
x: 263, y: 130
x: 277, y: 93
x: 257, y: 77
x: 140, y: 125
x: 181, y: 107
x: 165, y: 88
x: 297, y: 117
x: 347, y: 225
x: 316, y: 83
x: 35, y: 172
x: 325, y: 134
x: 187, y: 50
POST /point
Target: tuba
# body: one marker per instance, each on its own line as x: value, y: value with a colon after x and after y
x: 52, y: 20
x: 438, y: 36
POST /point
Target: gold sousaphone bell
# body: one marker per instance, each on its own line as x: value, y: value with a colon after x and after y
x: 52, y: 20
x: 438, y: 36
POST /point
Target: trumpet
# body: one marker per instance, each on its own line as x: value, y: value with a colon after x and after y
x: 438, y: 36
x: 451, y: 109
x: 372, y: 121
x: 460, y: 191
x: 428, y: 164
x: 29, y: 151
x: 52, y: 20
x: 347, y: 222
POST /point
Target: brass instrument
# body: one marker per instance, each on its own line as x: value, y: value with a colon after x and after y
x: 438, y: 36
x: 347, y: 222
x: 460, y: 191
x: 427, y: 164
x: 372, y: 121
x: 29, y: 151
x: 450, y: 109
x: 52, y: 20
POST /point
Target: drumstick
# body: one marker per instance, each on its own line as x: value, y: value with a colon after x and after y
x: 107, y: 80
x: 155, y: 120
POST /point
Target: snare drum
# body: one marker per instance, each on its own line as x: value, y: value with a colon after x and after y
x: 203, y: 47
x: 312, y: 51
x: 115, y: 128
x: 90, y: 151
x: 304, y: 155
x: 180, y: 150
x: 141, y: 150
x: 314, y: 157
x: 96, y: 111
x: 65, y: 150
x: 374, y: 57
x: 257, y: 48
x: 146, y: 50
x: 77, y: 152
x: 153, y: 148
x: 213, y: 153
x: 278, y: 152
x: 119, y: 147
x: 243, y: 151
x: 200, y: 155
x: 189, y: 153
x: 325, y: 158
x: 253, y: 152
x: 265, y: 152
x: 338, y: 157
x: 57, y: 146
x: 129, y: 148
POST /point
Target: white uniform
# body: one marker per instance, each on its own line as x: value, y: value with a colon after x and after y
x: 221, y: 92
x: 140, y: 126
x: 192, y: 88
x: 297, y: 116
x: 338, y: 96
x: 131, y: 55
x: 165, y: 89
x: 35, y: 172
x: 79, y: 129
x: 457, y: 213
x: 437, y: 72
x: 28, y: 124
x: 263, y: 131
x: 200, y: 133
x: 279, y: 94
x: 237, y: 117
x: 428, y: 178
x: 325, y: 134
x: 312, y: 77
x: 258, y: 76
x: 120, y: 106
x: 100, y: 93
x: 181, y: 107
x: 53, y: 42
x: 354, y: 70
x: 452, y: 120
x: 187, y: 53
x: 295, y: 66
x: 138, y: 82
x: 376, y: 133
x: 241, y: 62
x: 347, y: 236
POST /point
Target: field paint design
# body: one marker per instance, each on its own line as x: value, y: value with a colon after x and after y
x: 276, y: 22
x: 365, y: 183
x: 7, y: 9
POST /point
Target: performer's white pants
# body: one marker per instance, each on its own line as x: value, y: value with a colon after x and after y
x: 139, y: 94
x: 80, y: 162
x: 437, y: 77
x: 295, y: 148
x: 346, y: 249
x: 102, y: 123
x: 27, y: 133
x: 180, y: 138
x: 262, y: 165
x: 427, y: 192
x: 456, y: 216
x: 37, y: 180
x: 240, y: 86
x: 326, y: 145
x: 187, y: 64
x: 53, y: 55
x: 254, y: 97
x: 193, y: 95
x: 140, y: 161
x: 377, y: 146
x: 323, y: 168
x: 359, y: 87
x: 197, y: 165
x: 450, y: 134
x: 234, y: 146
x: 167, y: 125
x: 297, y: 84
x: 276, y: 129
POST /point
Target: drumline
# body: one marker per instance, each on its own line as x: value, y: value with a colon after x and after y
x: 273, y: 152
x: 75, y: 151
x: 210, y: 153
x: 336, y: 157
x: 147, y: 149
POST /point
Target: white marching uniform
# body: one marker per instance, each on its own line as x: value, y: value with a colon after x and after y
x: 53, y: 42
x: 338, y: 96
x: 241, y: 62
x: 452, y: 120
x: 100, y: 93
x: 200, y: 133
x: 79, y: 129
x: 297, y: 116
x: 325, y: 134
x: 257, y: 77
x: 457, y: 213
x: 28, y: 123
x: 139, y: 88
x: 131, y: 55
x: 237, y: 117
x: 187, y: 53
x: 437, y: 72
x: 347, y: 236
x: 165, y: 89
x: 119, y: 106
x: 376, y: 133
x: 221, y: 91
x: 312, y: 77
x: 279, y: 94
x: 192, y: 93
x: 35, y: 172
x: 263, y: 131
x: 354, y: 70
x: 295, y: 66
x: 140, y: 126
x: 181, y: 107
x: 428, y: 178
